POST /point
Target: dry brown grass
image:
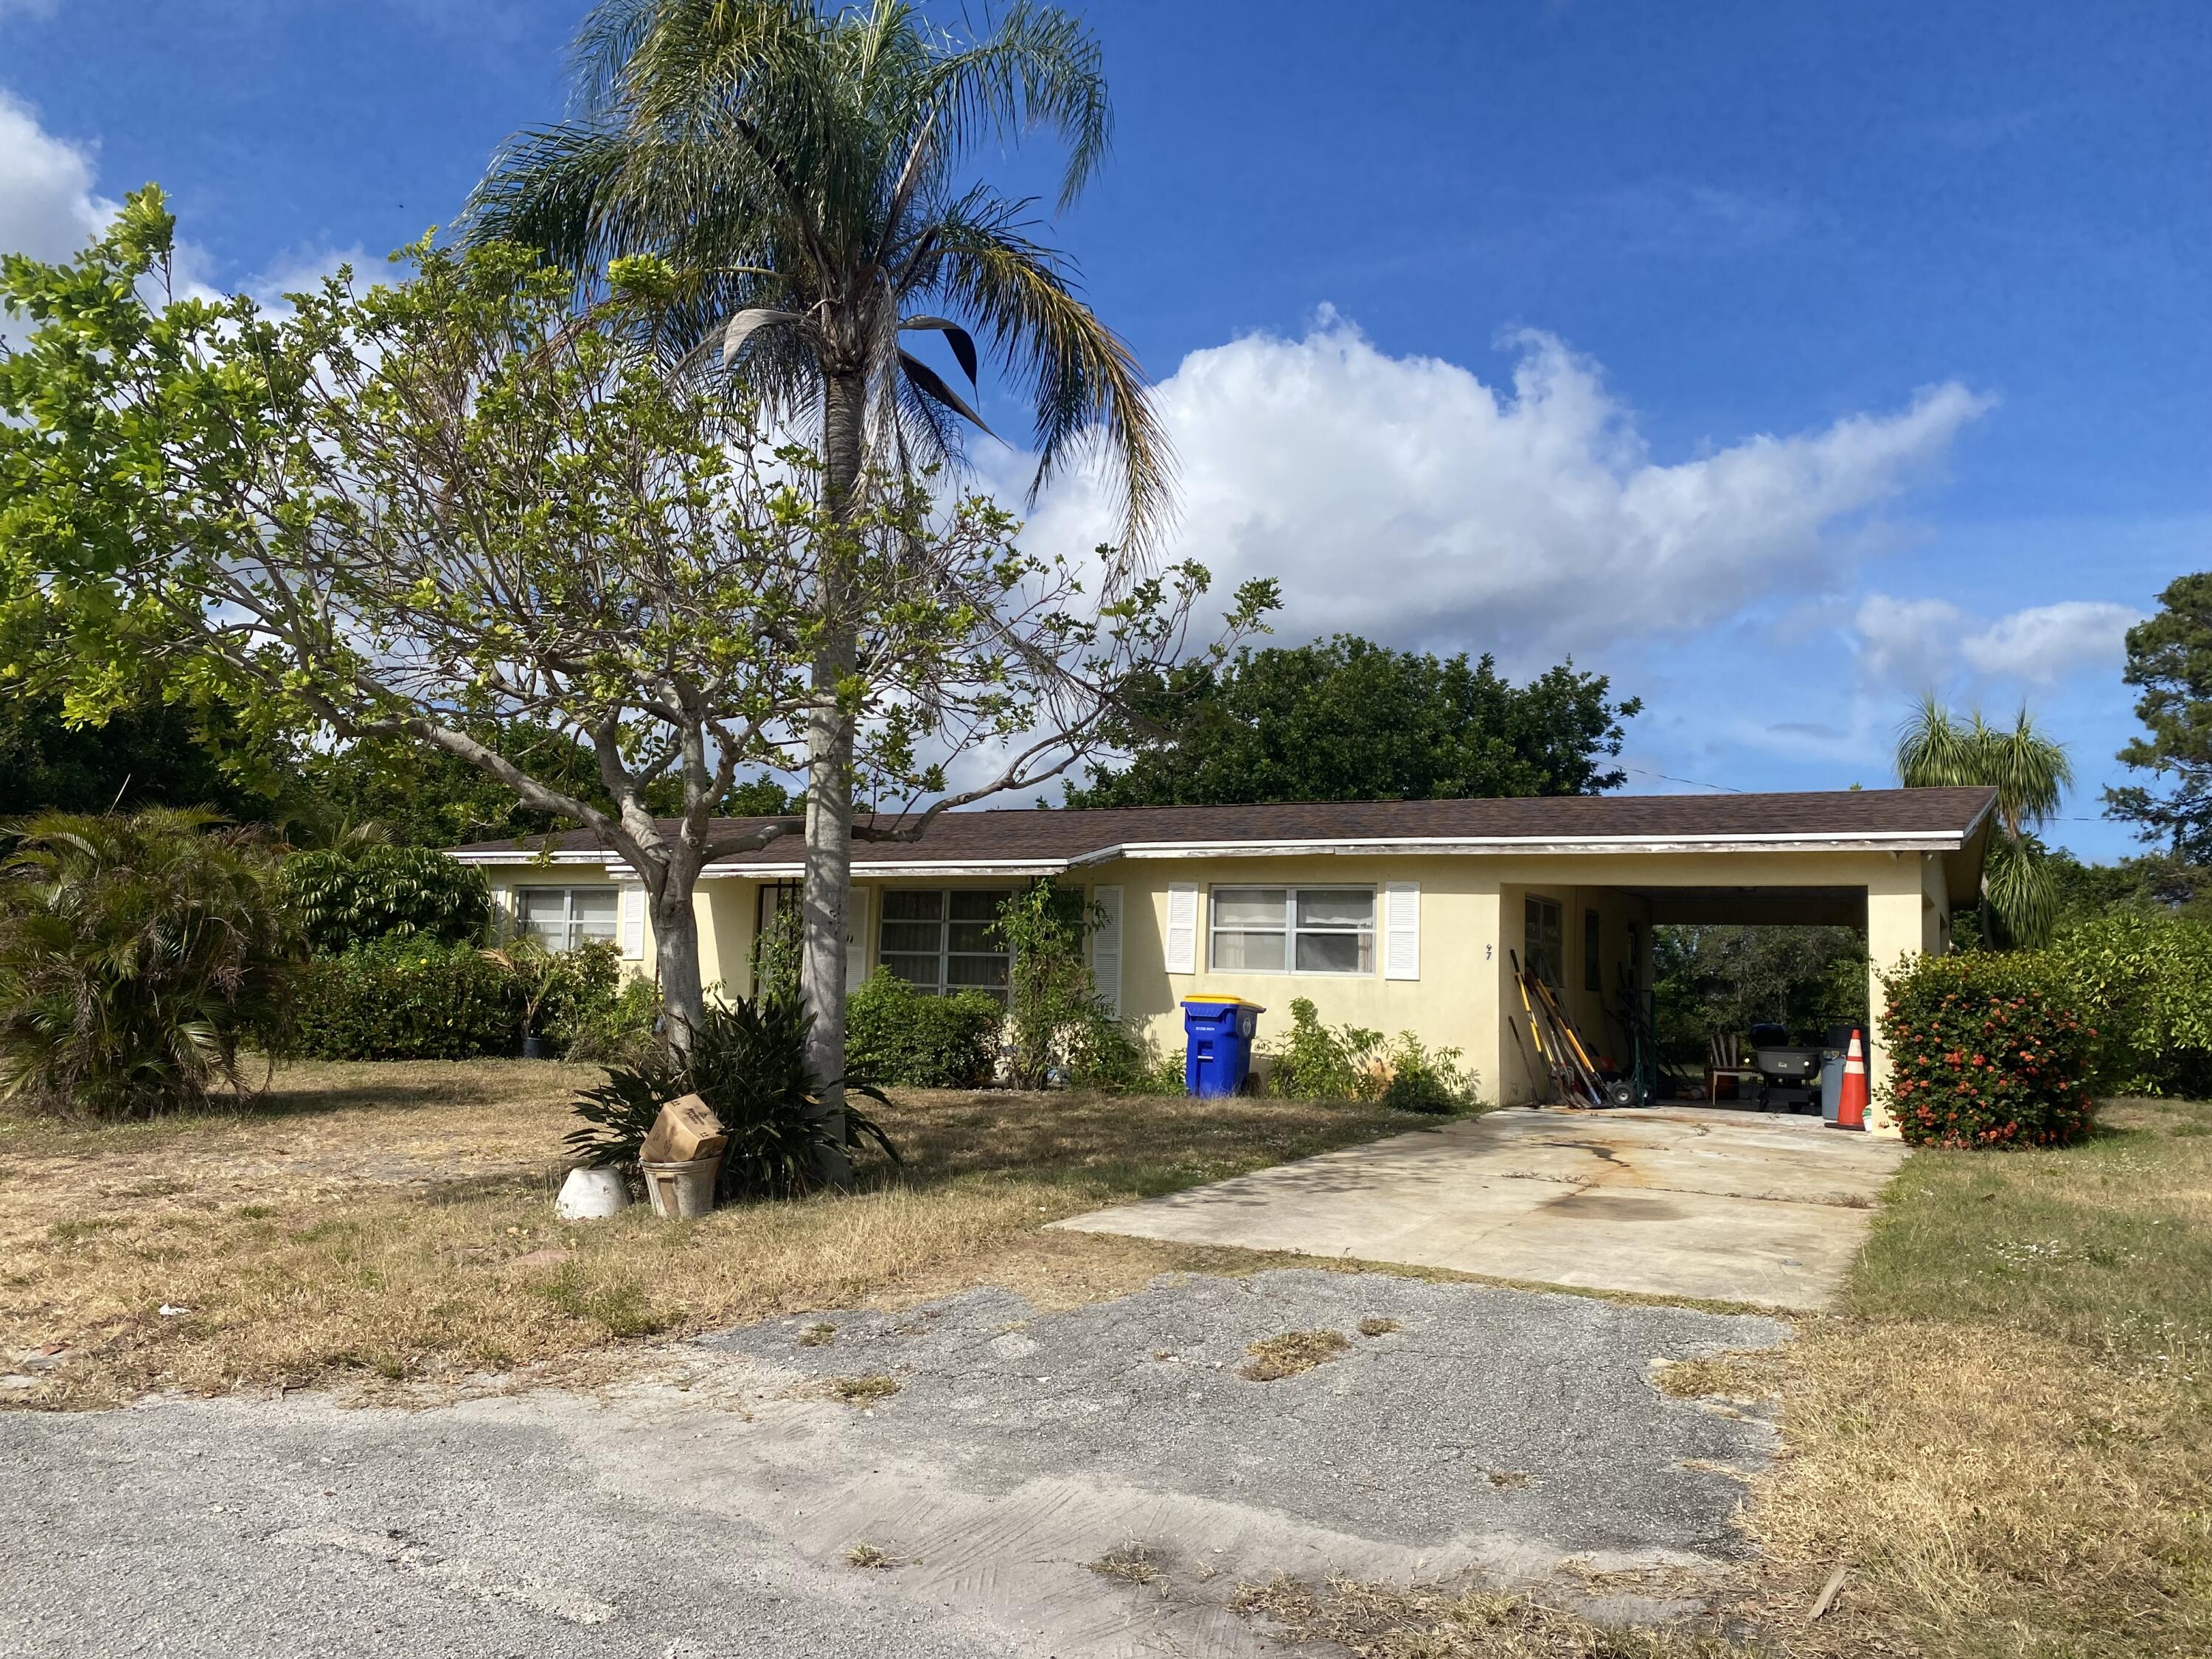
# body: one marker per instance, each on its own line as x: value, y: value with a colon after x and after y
x: 1132, y: 1563
x: 1373, y: 1326
x: 393, y: 1224
x: 2009, y: 1433
x: 1291, y: 1354
x: 1430, y: 1621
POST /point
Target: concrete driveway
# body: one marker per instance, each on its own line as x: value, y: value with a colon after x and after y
x: 713, y: 1512
x: 1698, y: 1202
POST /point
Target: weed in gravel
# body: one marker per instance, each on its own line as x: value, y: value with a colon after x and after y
x: 820, y: 1334
x: 865, y: 1555
x: 1274, y: 1357
x: 1132, y: 1562
x: 1372, y: 1325
x: 863, y: 1390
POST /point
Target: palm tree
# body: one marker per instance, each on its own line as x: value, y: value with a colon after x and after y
x: 2031, y: 774
x: 803, y: 174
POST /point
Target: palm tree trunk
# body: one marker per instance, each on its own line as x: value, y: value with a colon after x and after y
x: 829, y: 766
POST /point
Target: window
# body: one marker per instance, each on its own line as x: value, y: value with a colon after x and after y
x: 564, y: 917
x: 940, y: 939
x: 1593, y: 941
x: 1304, y: 930
x: 1543, y: 935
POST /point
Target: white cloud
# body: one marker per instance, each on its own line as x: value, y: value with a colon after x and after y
x: 47, y: 208
x: 1930, y: 644
x: 1402, y: 498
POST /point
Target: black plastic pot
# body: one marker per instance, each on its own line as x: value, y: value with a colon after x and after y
x: 537, y: 1047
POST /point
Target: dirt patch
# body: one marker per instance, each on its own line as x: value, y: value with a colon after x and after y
x: 1435, y: 1621
x: 1291, y: 1354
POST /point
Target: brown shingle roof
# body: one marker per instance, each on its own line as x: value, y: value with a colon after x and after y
x: 1932, y: 818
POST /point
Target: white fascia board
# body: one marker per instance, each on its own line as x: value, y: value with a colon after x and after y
x: 1492, y: 846
x: 913, y: 867
x: 570, y: 861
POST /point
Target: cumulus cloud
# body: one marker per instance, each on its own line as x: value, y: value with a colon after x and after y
x: 1402, y: 498
x: 1931, y: 643
x: 47, y: 208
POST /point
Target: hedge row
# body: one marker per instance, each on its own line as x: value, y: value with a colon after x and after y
x: 896, y: 1034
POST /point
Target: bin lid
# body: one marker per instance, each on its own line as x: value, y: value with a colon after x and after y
x: 1224, y: 1002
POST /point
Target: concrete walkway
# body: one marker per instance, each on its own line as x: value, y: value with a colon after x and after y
x: 1698, y: 1202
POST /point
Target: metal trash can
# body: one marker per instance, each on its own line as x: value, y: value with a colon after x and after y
x: 1217, y: 1053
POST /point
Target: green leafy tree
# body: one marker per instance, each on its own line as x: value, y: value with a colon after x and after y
x: 347, y: 896
x: 805, y: 173
x: 460, y: 506
x: 1723, y: 979
x: 2031, y: 774
x: 2170, y: 657
x: 1347, y: 720
x: 138, y: 954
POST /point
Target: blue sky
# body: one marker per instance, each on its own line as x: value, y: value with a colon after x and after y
x: 1779, y: 360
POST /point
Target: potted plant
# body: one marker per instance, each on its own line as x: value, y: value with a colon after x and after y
x: 534, y: 970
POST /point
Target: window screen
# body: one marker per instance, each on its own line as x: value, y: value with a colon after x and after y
x: 941, y: 941
x: 564, y: 917
x: 1307, y: 930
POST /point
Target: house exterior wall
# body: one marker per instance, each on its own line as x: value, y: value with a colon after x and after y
x: 1471, y: 924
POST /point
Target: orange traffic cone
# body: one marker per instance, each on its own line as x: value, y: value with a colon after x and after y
x: 1851, y: 1096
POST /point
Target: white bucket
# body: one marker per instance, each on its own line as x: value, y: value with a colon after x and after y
x: 681, y: 1192
x: 591, y: 1195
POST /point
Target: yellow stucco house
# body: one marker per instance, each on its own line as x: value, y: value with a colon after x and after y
x: 1392, y: 914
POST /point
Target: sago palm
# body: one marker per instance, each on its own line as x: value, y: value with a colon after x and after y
x: 2031, y: 774
x: 806, y: 175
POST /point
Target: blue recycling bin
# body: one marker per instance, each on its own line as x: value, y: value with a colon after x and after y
x: 1216, y: 1054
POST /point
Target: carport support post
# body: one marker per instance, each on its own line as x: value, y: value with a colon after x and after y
x: 1896, y: 903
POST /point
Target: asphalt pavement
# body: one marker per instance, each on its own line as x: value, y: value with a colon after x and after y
x: 717, y: 1507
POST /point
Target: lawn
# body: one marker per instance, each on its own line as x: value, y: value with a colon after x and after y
x: 2007, y: 1432
x: 392, y: 1225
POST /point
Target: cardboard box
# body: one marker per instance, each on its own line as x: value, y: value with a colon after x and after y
x: 686, y: 1129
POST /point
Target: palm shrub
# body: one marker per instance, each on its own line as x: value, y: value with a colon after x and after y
x: 1986, y: 1050
x: 2030, y: 773
x: 349, y: 895
x: 138, y: 954
x: 748, y: 1061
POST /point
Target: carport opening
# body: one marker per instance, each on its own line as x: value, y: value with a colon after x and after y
x: 1738, y: 997
x: 1753, y: 992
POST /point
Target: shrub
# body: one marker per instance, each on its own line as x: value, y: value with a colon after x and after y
x: 409, y: 999
x: 1986, y: 1050
x: 138, y: 954
x: 345, y: 896
x: 1422, y: 1080
x: 1315, y: 1062
x: 2143, y: 979
x: 894, y: 1034
x: 1056, y: 1021
x: 748, y: 1062
x: 621, y: 1031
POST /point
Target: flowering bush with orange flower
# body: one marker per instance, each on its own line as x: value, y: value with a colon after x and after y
x: 1986, y: 1049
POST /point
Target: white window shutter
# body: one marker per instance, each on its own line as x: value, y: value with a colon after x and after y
x: 1106, y: 946
x: 1183, y: 927
x: 633, y: 921
x: 856, y: 937
x: 1401, y: 930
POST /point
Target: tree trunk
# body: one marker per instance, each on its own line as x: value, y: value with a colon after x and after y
x: 676, y: 954
x: 829, y: 771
